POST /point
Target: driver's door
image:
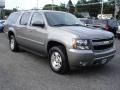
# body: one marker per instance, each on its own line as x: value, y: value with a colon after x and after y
x: 37, y: 32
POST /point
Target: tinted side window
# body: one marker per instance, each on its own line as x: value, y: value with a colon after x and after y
x: 100, y: 22
x: 25, y: 18
x: 37, y: 17
x: 89, y: 22
x: 113, y: 23
x: 12, y: 19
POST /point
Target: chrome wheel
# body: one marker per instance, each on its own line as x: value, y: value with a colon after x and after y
x: 12, y: 43
x: 56, y: 60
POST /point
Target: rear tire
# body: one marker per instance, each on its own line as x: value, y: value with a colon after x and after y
x: 13, y: 44
x: 58, y: 60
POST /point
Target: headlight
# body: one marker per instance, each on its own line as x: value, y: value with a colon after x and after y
x: 81, y: 44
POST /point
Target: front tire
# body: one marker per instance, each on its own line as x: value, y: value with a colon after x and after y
x: 13, y: 44
x: 58, y: 60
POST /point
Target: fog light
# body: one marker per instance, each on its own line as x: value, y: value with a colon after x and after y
x: 83, y: 63
x: 104, y: 61
x: 80, y: 63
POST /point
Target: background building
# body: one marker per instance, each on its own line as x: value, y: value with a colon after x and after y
x: 2, y: 6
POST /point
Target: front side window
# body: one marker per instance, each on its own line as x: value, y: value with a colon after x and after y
x: 62, y: 19
x: 37, y: 18
x: 100, y: 22
x: 25, y: 18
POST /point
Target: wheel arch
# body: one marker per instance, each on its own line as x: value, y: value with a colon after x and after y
x: 10, y: 33
x: 53, y: 43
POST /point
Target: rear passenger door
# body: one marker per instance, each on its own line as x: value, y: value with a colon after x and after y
x: 22, y: 30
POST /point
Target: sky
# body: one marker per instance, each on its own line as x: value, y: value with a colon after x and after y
x: 29, y: 4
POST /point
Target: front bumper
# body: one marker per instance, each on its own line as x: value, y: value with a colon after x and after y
x: 89, y: 57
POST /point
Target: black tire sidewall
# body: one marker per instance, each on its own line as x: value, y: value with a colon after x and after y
x: 15, y: 43
x: 64, y: 66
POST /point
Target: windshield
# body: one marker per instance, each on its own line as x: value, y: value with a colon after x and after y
x: 62, y: 19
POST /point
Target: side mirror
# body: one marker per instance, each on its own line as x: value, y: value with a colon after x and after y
x: 38, y: 24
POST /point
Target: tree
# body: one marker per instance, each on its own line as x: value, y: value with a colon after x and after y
x: 82, y: 1
x: 77, y: 6
x: 113, y: 2
x: 49, y: 7
x: 118, y: 2
x: 70, y: 7
x: 15, y: 10
x: 91, y: 8
x: 94, y: 1
x: 62, y: 7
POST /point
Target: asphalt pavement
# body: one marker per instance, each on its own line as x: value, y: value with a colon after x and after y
x: 25, y: 71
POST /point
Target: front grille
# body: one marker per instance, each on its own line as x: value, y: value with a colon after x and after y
x: 102, y: 44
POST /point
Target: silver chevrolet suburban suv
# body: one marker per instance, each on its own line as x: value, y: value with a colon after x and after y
x: 60, y: 36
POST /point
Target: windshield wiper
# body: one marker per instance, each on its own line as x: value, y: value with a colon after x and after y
x: 67, y: 25
x: 75, y: 25
x: 60, y: 25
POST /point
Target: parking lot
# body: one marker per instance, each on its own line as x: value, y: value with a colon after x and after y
x: 25, y: 71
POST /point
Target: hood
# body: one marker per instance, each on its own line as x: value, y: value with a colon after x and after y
x: 88, y: 32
